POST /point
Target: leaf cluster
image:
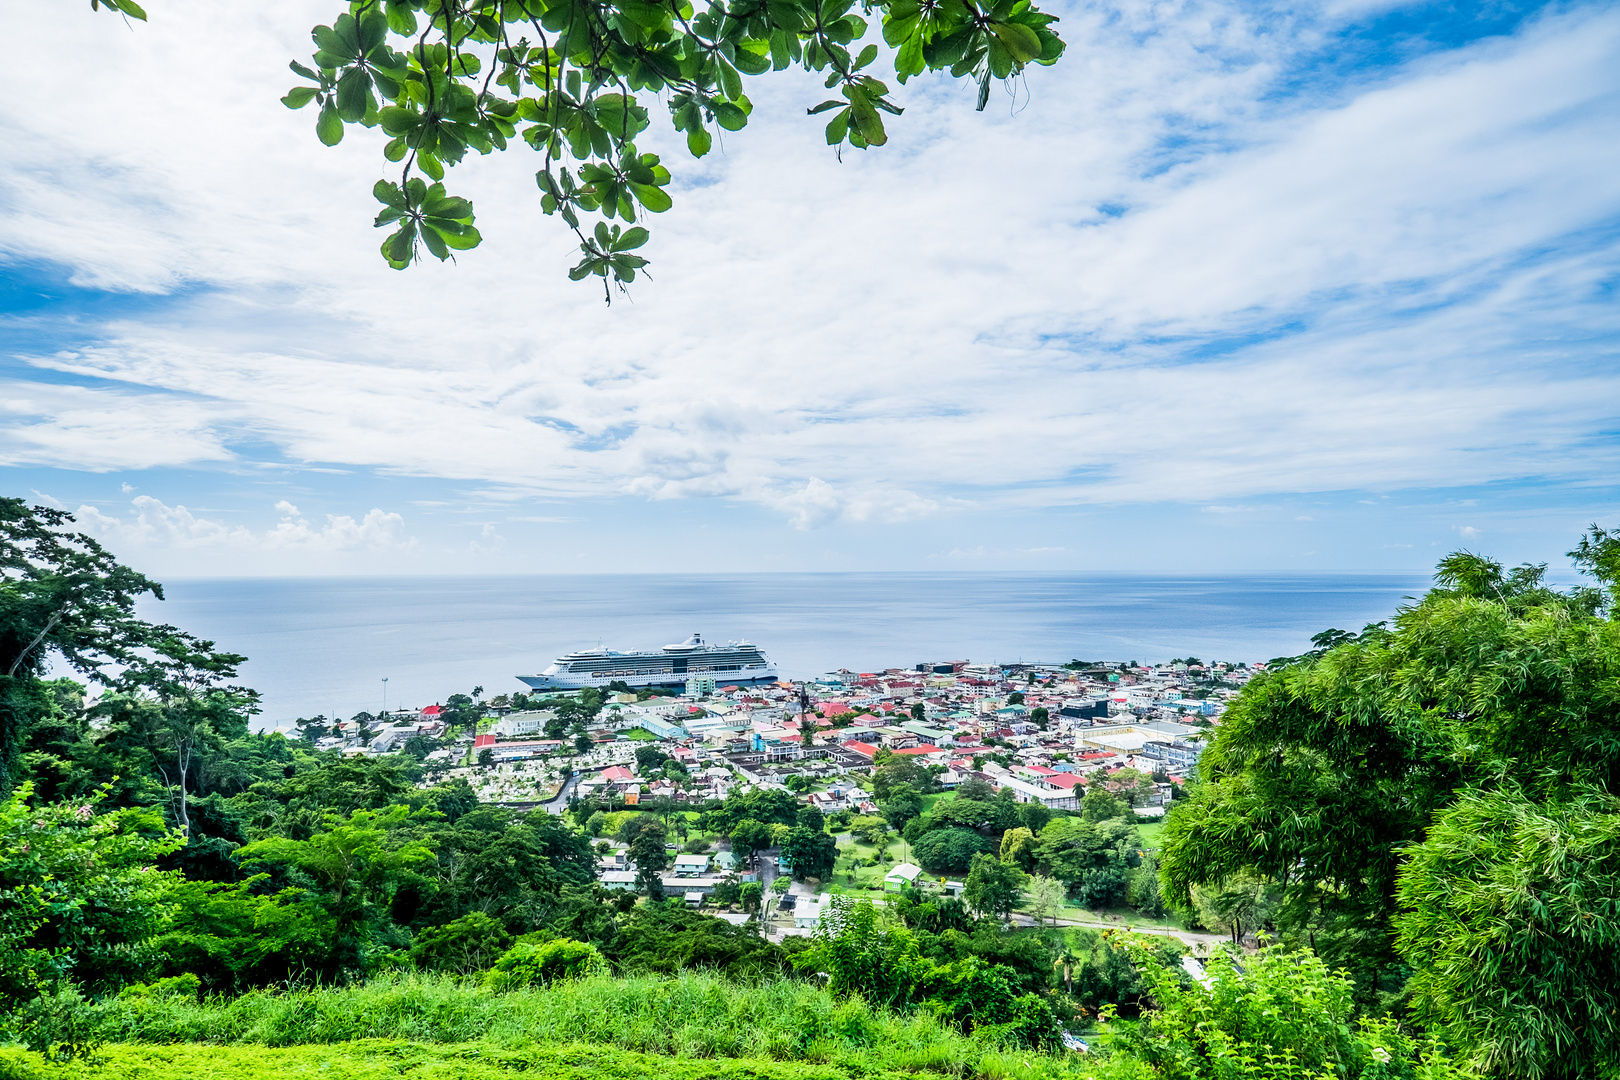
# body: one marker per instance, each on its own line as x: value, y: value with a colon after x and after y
x: 445, y: 77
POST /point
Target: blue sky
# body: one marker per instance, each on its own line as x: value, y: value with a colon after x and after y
x: 1233, y: 287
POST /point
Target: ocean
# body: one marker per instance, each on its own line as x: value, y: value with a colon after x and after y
x: 327, y: 645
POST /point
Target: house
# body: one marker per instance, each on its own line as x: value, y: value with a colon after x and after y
x: 691, y: 865
x: 902, y: 875
x: 807, y: 916
x: 524, y: 723
x: 618, y: 879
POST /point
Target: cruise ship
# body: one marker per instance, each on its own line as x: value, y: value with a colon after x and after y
x: 673, y: 665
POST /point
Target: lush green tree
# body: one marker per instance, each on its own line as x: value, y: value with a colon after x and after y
x: 748, y: 895
x: 1015, y: 698
x: 949, y: 849
x: 1018, y: 848
x: 648, y: 851
x: 359, y: 859
x: 810, y: 853
x: 667, y: 937
x: 471, y: 943
x: 649, y: 759
x: 1490, y: 697
x: 750, y: 837
x: 1102, y: 805
x: 1511, y: 918
x: 975, y: 790
x: 994, y: 887
x: 811, y: 817
x: 1142, y: 888
x: 1034, y: 816
x: 596, y: 823
x: 902, y: 804
x: 1093, y: 859
x: 79, y: 894
x: 233, y: 937
x: 63, y: 597
x: 530, y: 963
x: 891, y: 770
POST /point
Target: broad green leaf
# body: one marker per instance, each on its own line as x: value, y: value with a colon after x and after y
x: 353, y: 92
x: 435, y: 242
x: 655, y: 199
x: 348, y: 31
x: 388, y: 193
x: 328, y: 41
x: 730, y: 116
x: 132, y: 9
x: 299, y: 96
x: 730, y: 81
x: 838, y: 127
x: 329, y: 125
x: 1022, y: 43
x: 698, y: 141
x: 373, y: 31
x: 867, y: 119
x: 632, y: 238
x: 397, y: 248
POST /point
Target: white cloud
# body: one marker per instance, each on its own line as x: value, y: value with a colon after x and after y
x: 1385, y: 285
x: 1468, y: 532
x: 156, y: 525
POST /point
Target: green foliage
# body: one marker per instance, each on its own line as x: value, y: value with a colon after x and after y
x: 993, y: 887
x: 1277, y: 1015
x: 692, y: 1014
x: 811, y: 853
x: 63, y: 595
x: 233, y: 936
x: 1510, y: 918
x: 903, y: 803
x: 541, y: 964
x: 566, y: 78
x: 1102, y: 805
x: 79, y: 894
x: 1448, y: 741
x: 864, y: 953
x: 949, y: 849
x: 1093, y: 859
x: 470, y: 943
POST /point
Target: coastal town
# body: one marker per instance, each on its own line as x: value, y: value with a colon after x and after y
x: 1030, y: 734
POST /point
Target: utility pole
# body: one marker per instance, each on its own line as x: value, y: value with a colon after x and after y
x: 385, y: 694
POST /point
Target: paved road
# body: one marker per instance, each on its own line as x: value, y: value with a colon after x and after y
x: 560, y: 802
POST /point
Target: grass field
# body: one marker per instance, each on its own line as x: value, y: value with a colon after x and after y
x: 381, y: 1059
x: 638, y: 734
x: 685, y: 1027
x: 1150, y: 833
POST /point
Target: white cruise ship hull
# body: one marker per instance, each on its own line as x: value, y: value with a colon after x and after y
x: 733, y: 663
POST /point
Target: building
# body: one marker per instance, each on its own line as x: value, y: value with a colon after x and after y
x: 807, y: 916
x: 618, y: 879
x: 902, y: 875
x: 689, y: 865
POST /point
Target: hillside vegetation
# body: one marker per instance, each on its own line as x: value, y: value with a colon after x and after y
x: 1410, y: 833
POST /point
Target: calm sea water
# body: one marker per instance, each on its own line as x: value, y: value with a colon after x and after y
x: 321, y: 645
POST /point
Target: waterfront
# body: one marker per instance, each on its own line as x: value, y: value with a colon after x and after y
x: 319, y: 645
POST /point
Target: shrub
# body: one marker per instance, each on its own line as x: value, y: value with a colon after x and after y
x: 531, y: 964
